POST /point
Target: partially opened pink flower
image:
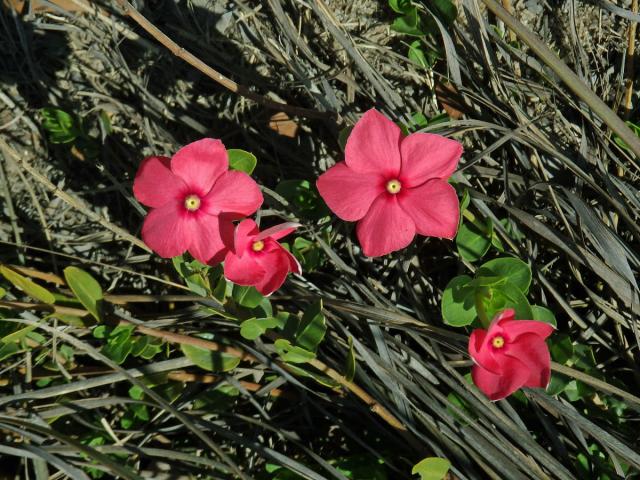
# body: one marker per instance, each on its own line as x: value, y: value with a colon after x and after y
x: 257, y: 259
x: 393, y: 186
x: 193, y: 199
x: 509, y: 355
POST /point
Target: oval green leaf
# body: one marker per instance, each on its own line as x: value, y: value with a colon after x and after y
x: 210, y: 360
x: 27, y: 285
x: 512, y: 270
x: 543, y: 314
x: 432, y: 468
x: 458, y: 302
x: 86, y: 289
x: 242, y: 160
x: 473, y: 240
x: 507, y: 296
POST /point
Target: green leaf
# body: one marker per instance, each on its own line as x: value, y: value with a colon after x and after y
x: 557, y: 384
x: 416, y: 54
x: 254, y: 327
x: 400, y: 6
x: 291, y: 353
x: 241, y: 160
x: 304, y: 196
x: 350, y: 368
x: 312, y: 327
x: 474, y: 239
x: 2, y: 292
x: 543, y: 314
x: 318, y: 377
x: 458, y: 302
x: 621, y: 143
x: 27, y: 285
x: 432, y: 468
x: 119, y: 343
x: 246, y: 296
x: 86, y: 289
x: 561, y: 348
x: 72, y: 320
x: 409, y: 23
x: 446, y: 10
x: 8, y: 349
x: 208, y: 359
x: 61, y: 126
x: 506, y: 296
x: 512, y: 270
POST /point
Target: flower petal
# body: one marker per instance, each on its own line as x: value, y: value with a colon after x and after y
x: 516, y: 328
x: 168, y: 230
x: 497, y: 387
x: 505, y: 315
x: 278, y: 231
x: 206, y: 242
x: 385, y: 228
x: 294, y: 265
x: 533, y: 352
x: 426, y: 156
x: 347, y: 193
x: 234, y: 193
x: 481, y: 353
x: 374, y: 145
x: 200, y: 163
x: 244, y: 235
x: 242, y: 270
x: 434, y: 207
x: 275, y: 263
x: 155, y: 184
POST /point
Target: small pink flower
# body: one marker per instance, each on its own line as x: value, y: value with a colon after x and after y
x: 393, y: 186
x: 510, y: 355
x: 193, y: 199
x: 257, y: 259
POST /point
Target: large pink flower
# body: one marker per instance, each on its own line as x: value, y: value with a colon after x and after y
x: 257, y: 259
x: 510, y: 355
x: 393, y: 186
x: 193, y: 199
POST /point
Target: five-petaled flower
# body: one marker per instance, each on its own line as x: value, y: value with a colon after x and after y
x: 509, y: 355
x: 393, y: 186
x: 257, y: 259
x: 193, y: 198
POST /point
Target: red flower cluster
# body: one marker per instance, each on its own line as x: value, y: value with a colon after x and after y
x: 194, y: 199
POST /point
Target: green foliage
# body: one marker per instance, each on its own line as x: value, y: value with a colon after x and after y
x: 312, y: 327
x: 308, y: 253
x: 194, y: 273
x: 350, y: 368
x: 242, y: 160
x: 86, y: 289
x: 474, y: 239
x: 621, y: 143
x: 27, y: 285
x: 255, y: 327
x: 66, y: 129
x: 432, y: 468
x: 498, y: 284
x: 417, y: 20
x: 211, y: 360
x: 61, y: 127
x: 120, y: 342
x: 303, y: 197
x: 292, y: 353
x: 246, y: 296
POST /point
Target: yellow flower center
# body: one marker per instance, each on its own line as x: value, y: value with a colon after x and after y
x: 257, y: 246
x: 394, y: 186
x: 498, y: 342
x: 192, y: 203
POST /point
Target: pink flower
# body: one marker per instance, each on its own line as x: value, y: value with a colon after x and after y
x: 393, y: 186
x: 510, y: 355
x: 193, y: 199
x: 257, y: 259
